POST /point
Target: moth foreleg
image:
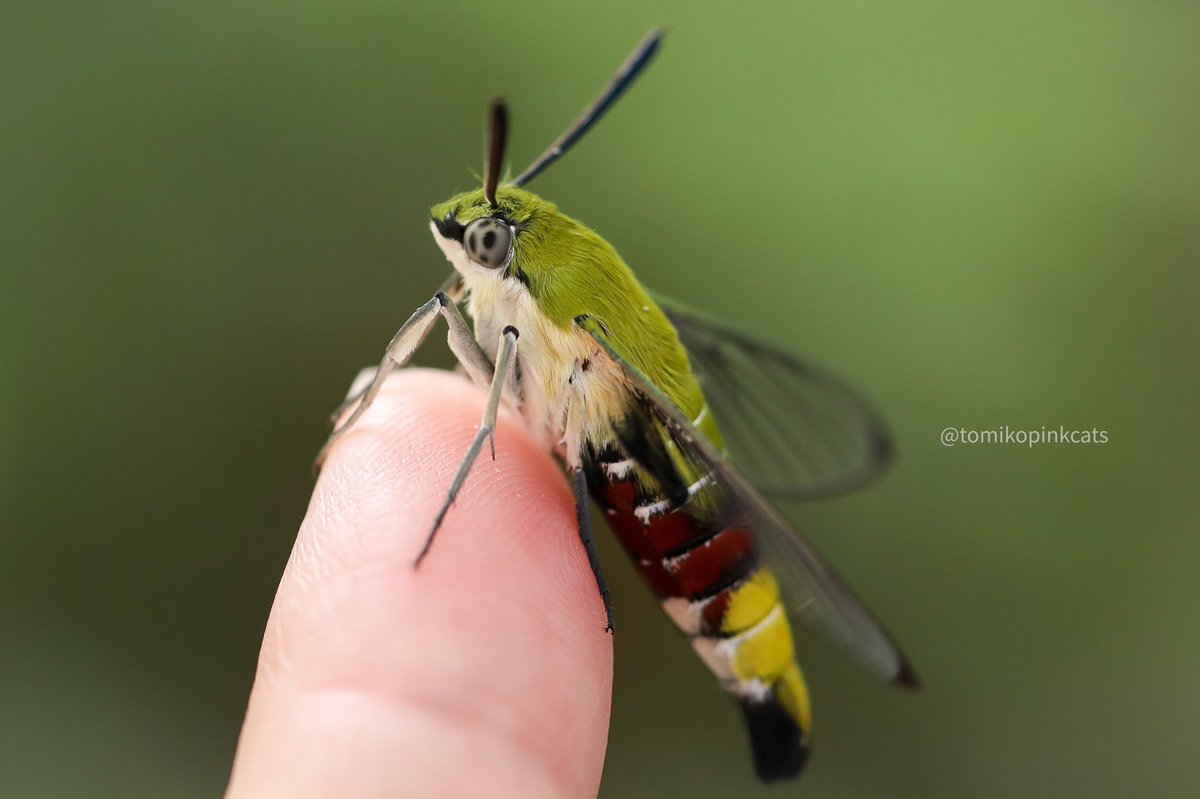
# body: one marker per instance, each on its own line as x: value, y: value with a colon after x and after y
x: 487, y: 427
x: 400, y: 350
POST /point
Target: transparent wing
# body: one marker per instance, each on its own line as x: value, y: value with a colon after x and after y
x: 794, y: 430
x: 815, y: 596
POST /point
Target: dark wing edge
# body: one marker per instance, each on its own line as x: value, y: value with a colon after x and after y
x: 815, y: 595
x: 797, y: 431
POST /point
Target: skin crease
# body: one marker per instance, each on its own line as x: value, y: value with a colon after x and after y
x: 485, y: 673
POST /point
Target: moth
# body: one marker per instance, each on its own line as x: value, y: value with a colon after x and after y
x: 678, y: 428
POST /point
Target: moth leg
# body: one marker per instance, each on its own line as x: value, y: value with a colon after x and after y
x: 504, y: 362
x: 583, y: 518
x: 400, y: 350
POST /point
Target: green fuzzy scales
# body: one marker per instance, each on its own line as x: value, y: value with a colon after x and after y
x: 572, y: 271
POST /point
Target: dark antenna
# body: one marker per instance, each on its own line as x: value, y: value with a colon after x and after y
x: 628, y: 72
x: 497, y: 140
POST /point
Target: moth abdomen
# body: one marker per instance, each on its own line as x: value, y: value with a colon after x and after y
x: 700, y: 560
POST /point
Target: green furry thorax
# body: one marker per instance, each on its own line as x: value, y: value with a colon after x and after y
x: 570, y: 271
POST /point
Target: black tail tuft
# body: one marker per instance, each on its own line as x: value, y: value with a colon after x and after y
x: 780, y: 746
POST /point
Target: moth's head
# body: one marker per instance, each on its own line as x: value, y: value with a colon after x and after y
x: 479, y: 236
x: 503, y: 229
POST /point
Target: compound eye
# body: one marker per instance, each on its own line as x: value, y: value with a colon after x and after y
x: 487, y: 242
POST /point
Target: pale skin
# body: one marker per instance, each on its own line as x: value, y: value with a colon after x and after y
x: 487, y: 672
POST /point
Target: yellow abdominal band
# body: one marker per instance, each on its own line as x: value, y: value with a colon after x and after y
x: 764, y: 659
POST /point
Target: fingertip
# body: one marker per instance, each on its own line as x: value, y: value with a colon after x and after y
x: 499, y: 634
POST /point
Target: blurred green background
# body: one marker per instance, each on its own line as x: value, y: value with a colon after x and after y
x: 213, y: 214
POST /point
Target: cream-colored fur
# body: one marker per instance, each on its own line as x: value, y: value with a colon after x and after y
x: 563, y: 403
